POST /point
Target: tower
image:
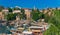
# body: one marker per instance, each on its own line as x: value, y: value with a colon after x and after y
x: 34, y: 7
x: 28, y: 13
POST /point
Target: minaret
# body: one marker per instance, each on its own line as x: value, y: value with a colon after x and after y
x: 35, y: 1
x: 35, y: 7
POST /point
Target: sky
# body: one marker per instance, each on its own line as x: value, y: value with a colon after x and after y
x: 41, y: 4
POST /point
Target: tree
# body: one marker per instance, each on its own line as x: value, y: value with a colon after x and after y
x: 1, y: 7
x: 11, y: 16
x: 57, y: 18
x: 10, y: 9
x: 36, y: 14
x: 23, y: 16
x: 16, y: 8
x: 22, y: 11
x: 53, y: 30
x: 55, y: 21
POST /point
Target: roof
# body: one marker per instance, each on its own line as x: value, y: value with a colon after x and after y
x: 35, y: 27
x: 36, y: 31
x: 27, y: 32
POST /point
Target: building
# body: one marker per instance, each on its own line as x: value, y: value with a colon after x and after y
x: 47, y: 11
x: 16, y: 11
x: 28, y: 13
x: 1, y: 16
x: 40, y: 10
x: 36, y: 30
x: 5, y: 11
x: 44, y: 11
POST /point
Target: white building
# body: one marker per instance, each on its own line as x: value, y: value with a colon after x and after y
x: 16, y: 11
x: 5, y: 11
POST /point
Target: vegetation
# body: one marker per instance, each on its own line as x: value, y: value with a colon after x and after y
x: 23, y: 16
x: 10, y: 9
x: 53, y: 30
x: 36, y: 14
x: 11, y: 16
x: 1, y: 7
x: 54, y: 19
